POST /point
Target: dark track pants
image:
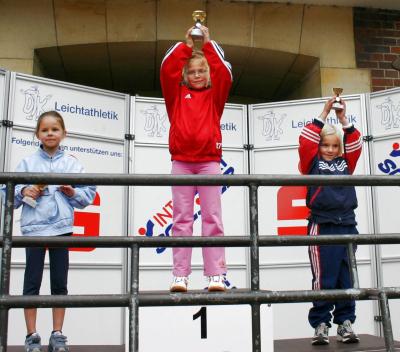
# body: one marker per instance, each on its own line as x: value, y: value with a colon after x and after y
x: 330, y: 269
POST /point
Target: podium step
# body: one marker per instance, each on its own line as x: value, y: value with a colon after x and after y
x: 367, y: 343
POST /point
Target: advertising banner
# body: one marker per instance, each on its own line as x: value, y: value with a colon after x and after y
x: 85, y: 110
x: 384, y: 114
x: 386, y: 154
x: 279, y: 124
x: 384, y: 110
x: 151, y: 125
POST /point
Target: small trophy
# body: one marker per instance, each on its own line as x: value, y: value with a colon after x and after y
x: 336, y: 105
x: 29, y: 200
x: 199, y: 16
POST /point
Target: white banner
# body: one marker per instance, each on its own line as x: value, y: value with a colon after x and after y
x: 280, y: 124
x: 149, y: 121
x: 386, y: 155
x: 385, y: 112
x: 87, y: 111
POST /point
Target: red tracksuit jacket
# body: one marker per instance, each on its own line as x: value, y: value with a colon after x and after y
x: 195, y: 115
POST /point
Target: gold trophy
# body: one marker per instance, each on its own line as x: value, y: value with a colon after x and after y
x: 199, y: 16
x: 336, y: 105
x: 30, y: 201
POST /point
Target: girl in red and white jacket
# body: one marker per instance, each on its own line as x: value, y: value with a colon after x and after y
x: 324, y: 150
x: 195, y: 85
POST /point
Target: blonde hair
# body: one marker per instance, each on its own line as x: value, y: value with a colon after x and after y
x: 329, y: 130
x: 196, y: 55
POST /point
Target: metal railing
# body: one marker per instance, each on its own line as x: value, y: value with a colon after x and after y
x: 135, y: 299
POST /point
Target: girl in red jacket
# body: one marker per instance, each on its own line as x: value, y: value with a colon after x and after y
x: 195, y: 86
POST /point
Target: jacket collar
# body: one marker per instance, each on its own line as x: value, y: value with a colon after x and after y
x: 45, y: 155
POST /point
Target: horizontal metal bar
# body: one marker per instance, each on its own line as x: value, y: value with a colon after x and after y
x: 197, y: 241
x: 191, y: 298
x: 168, y: 180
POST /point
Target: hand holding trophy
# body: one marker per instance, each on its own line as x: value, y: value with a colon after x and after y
x: 337, y: 104
x: 37, y: 190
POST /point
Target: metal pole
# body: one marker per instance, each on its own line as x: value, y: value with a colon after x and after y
x: 6, y: 262
x: 386, y: 322
x: 133, y: 301
x: 255, y: 267
x: 353, y: 265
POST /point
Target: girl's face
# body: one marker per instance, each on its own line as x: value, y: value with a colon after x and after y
x: 50, y: 133
x: 197, y: 74
x: 330, y: 147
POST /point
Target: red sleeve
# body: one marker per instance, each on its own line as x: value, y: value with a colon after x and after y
x: 171, y: 72
x: 309, y: 144
x: 220, y: 73
x: 352, y: 147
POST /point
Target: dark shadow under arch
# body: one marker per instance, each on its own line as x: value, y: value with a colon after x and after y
x: 260, y: 75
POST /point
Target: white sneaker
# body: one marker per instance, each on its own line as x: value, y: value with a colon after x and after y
x: 179, y: 284
x: 216, y: 283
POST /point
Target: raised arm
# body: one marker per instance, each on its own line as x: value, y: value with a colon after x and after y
x: 171, y: 71
x: 220, y: 70
x: 352, y: 140
x: 308, y: 144
x: 352, y: 146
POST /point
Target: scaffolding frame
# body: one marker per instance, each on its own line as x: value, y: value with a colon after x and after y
x: 135, y: 299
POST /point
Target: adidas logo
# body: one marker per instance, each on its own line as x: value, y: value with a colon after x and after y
x: 188, y: 96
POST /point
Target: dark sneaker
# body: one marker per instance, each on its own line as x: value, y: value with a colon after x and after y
x: 58, y: 342
x: 346, y: 334
x: 32, y: 343
x: 321, y: 335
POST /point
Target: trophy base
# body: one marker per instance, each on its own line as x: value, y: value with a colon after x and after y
x: 196, y: 34
x: 30, y: 201
x: 337, y: 106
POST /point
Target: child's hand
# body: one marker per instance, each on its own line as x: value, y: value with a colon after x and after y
x: 189, y: 40
x: 206, y: 34
x: 68, y: 190
x: 327, y: 108
x: 341, y: 114
x: 32, y: 192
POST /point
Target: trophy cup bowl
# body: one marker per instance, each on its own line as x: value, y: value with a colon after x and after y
x: 199, y: 16
x: 336, y: 105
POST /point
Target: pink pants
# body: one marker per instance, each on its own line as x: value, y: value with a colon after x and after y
x: 211, y: 215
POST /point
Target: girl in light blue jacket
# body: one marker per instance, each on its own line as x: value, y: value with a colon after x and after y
x: 48, y: 210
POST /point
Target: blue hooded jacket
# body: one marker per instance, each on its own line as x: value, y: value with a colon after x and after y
x: 54, y: 212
